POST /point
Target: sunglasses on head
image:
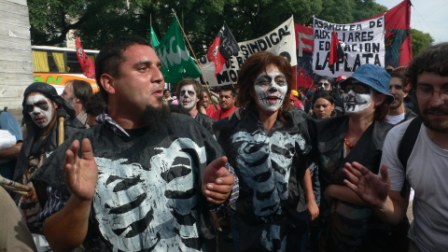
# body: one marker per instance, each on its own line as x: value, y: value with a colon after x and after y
x: 357, y: 87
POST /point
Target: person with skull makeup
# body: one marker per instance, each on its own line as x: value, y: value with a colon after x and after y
x: 41, y: 106
x: 190, y: 94
x: 144, y: 178
x: 424, y: 169
x: 325, y: 83
x: 346, y: 223
x: 267, y: 143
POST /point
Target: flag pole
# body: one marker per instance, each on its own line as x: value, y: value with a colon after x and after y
x: 191, y: 49
x: 186, y: 39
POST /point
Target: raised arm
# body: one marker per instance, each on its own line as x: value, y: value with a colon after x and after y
x: 67, y: 229
x: 375, y: 190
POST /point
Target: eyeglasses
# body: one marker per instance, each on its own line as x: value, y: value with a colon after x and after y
x: 357, y: 87
x: 427, y: 91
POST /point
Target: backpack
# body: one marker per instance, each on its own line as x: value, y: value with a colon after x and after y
x: 399, y: 232
x: 405, y: 148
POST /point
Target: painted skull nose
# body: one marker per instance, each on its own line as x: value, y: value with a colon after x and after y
x: 272, y: 89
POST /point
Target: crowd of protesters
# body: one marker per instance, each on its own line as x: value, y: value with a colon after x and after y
x: 255, y: 166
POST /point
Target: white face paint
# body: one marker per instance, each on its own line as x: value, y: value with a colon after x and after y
x: 188, y: 97
x: 40, y: 109
x: 270, y: 89
x: 355, y: 102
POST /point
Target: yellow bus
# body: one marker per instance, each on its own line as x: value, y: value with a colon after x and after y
x: 58, y: 65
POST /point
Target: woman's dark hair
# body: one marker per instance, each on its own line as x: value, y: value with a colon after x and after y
x: 322, y: 94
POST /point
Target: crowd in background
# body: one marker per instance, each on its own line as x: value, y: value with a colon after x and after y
x: 255, y: 166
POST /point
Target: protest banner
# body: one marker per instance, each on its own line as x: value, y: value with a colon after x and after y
x: 280, y: 41
x: 362, y: 43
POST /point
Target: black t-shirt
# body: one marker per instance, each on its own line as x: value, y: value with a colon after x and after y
x: 148, y: 194
x: 270, y: 166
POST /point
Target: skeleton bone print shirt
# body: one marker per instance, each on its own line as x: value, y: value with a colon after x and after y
x: 270, y: 166
x: 148, y: 194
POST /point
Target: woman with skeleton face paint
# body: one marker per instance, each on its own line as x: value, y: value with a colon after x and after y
x: 358, y: 136
x: 266, y: 143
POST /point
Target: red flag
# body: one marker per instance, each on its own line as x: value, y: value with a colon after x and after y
x: 304, y: 45
x: 215, y: 55
x: 223, y: 47
x: 398, y: 35
x: 334, y: 49
x: 86, y: 63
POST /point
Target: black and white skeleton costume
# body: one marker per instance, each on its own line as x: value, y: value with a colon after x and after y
x: 148, y: 194
x: 270, y: 166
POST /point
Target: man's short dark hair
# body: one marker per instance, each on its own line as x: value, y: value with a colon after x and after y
x: 111, y: 56
x: 82, y: 90
x: 434, y: 59
x: 189, y: 81
x: 228, y: 88
x: 95, y: 105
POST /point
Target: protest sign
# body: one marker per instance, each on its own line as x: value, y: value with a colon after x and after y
x: 280, y: 41
x: 361, y: 42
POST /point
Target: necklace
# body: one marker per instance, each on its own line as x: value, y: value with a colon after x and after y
x: 347, y: 144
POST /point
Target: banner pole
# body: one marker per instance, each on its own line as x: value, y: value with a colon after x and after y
x: 192, y: 51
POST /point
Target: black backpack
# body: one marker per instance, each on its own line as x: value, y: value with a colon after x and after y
x: 405, y: 148
x: 399, y: 232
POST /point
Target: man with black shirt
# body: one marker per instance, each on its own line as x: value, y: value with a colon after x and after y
x: 144, y: 179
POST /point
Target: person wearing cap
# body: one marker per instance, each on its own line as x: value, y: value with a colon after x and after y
x: 41, y: 107
x: 295, y: 101
x: 346, y: 224
x: 426, y: 167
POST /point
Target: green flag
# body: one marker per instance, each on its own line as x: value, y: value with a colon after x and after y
x: 153, y: 37
x: 176, y: 61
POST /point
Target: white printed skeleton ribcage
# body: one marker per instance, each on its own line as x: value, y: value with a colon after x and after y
x: 264, y: 163
x: 143, y: 209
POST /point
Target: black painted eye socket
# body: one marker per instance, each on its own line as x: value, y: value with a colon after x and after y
x: 357, y: 87
x: 189, y: 92
x: 29, y: 108
x: 42, y: 105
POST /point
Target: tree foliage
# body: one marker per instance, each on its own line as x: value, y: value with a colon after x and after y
x: 97, y: 21
x: 420, y: 41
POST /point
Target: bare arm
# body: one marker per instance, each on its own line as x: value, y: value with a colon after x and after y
x: 311, y: 204
x: 343, y: 193
x: 11, y: 152
x: 67, y: 229
x: 375, y: 191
